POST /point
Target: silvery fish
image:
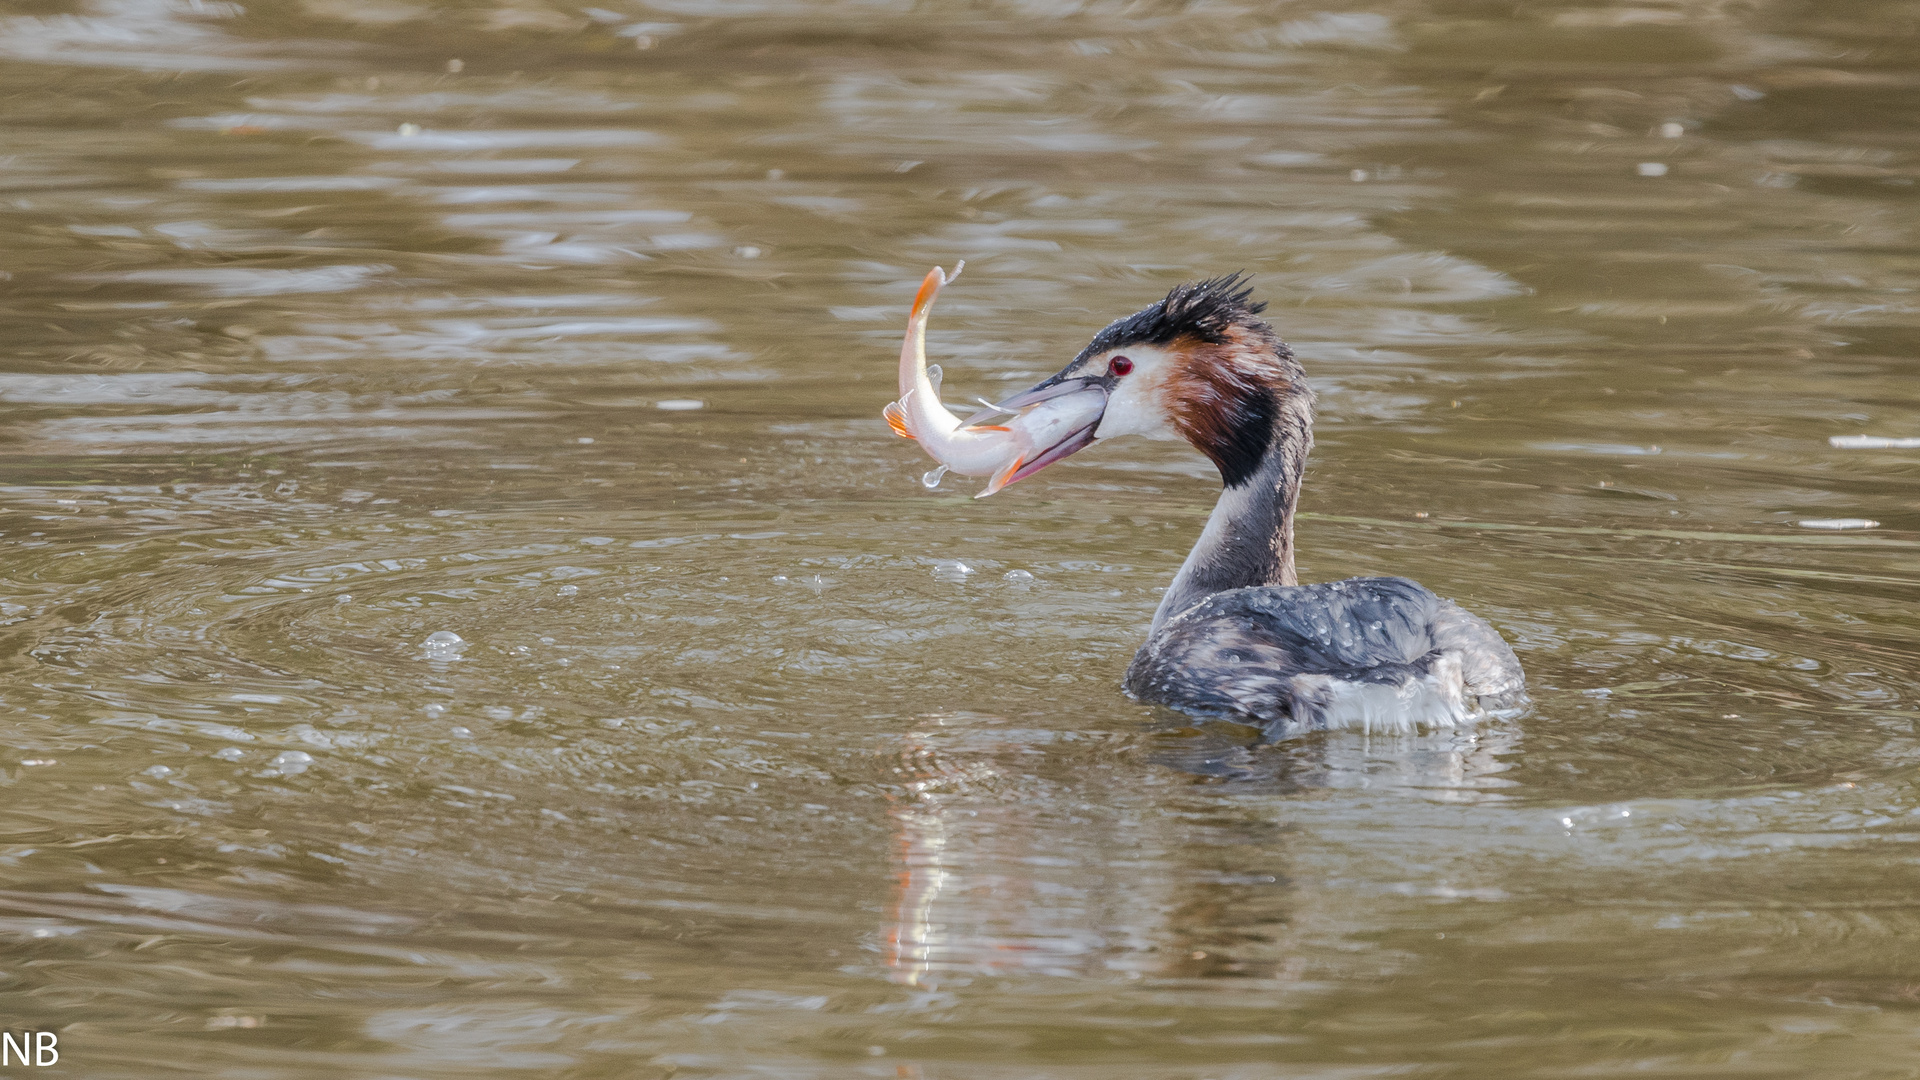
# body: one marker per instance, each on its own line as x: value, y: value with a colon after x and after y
x: 1031, y: 438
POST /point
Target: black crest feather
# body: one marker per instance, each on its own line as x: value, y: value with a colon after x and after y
x: 1229, y: 402
x: 1197, y: 309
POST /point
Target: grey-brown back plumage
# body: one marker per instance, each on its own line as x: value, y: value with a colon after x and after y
x: 1280, y: 653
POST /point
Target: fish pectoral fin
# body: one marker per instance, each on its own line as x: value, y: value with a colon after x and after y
x: 897, y: 419
x: 999, y: 480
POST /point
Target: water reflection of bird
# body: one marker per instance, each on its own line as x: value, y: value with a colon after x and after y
x: 1236, y: 633
x: 1003, y: 866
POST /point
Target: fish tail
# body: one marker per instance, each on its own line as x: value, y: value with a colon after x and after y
x: 928, y: 287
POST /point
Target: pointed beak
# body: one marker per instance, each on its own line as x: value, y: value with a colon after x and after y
x: 1059, y: 416
x: 1053, y: 388
x: 1074, y: 443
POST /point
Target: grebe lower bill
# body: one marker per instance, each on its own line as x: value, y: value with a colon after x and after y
x: 1235, y: 634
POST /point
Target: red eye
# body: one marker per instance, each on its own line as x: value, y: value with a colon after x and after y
x: 1120, y: 365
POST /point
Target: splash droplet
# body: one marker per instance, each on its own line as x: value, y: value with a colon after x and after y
x: 933, y: 477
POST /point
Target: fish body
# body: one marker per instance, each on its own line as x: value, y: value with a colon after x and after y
x: 999, y: 451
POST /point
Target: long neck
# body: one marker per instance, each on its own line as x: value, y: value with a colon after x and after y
x: 1249, y: 536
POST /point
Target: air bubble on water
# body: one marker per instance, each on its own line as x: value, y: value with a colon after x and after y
x: 931, y: 479
x: 443, y: 645
x: 461, y: 733
x: 343, y: 598
x: 231, y: 753
x: 158, y: 770
x: 435, y: 710
x: 569, y: 590
x: 1020, y: 576
x: 780, y: 579
x: 291, y: 762
x: 951, y: 570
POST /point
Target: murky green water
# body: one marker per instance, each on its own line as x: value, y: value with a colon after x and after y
x: 315, y: 347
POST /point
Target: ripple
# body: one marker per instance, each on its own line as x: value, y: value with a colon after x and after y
x: 251, y: 281
x: 755, y: 756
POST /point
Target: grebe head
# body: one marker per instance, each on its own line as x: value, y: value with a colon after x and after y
x: 1199, y: 365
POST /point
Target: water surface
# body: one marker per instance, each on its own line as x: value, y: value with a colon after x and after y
x: 331, y: 325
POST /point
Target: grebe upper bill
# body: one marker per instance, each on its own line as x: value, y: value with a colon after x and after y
x: 1236, y: 633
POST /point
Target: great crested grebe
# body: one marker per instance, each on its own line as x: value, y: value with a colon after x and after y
x: 1236, y: 633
